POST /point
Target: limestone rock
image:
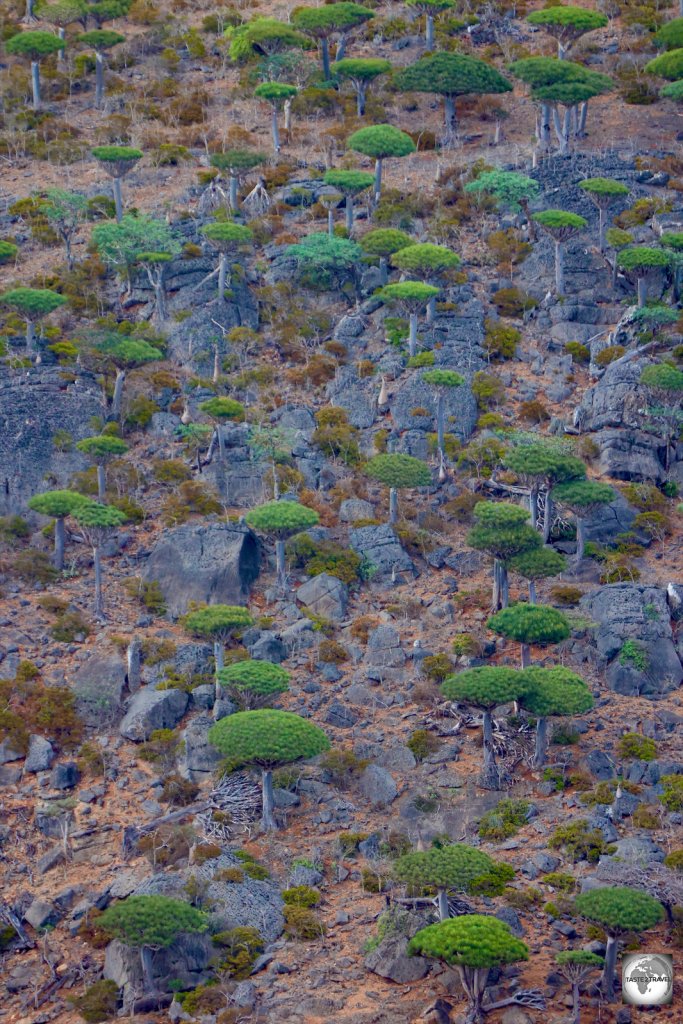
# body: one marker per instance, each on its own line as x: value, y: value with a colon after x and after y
x: 99, y: 684
x: 377, y: 786
x: 152, y: 709
x: 325, y: 596
x: 40, y: 755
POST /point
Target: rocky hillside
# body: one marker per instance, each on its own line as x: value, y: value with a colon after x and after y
x: 340, y: 534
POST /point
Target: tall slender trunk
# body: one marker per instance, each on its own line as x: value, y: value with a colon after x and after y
x: 117, y: 397
x: 146, y: 962
x: 532, y: 591
x: 378, y: 178
x: 330, y: 222
x: 412, y: 335
x: 221, y: 442
x: 101, y: 483
x: 431, y: 310
x: 533, y: 505
x: 642, y: 291
x: 341, y: 49
x: 361, y: 96
x: 393, y: 505
x: 287, y: 111
x: 496, y: 598
x: 449, y: 112
x: 580, y: 539
x: 29, y: 16
x: 219, y: 661
x: 222, y: 275
x: 349, y: 213
x: 440, y: 420
x: 576, y: 998
x: 99, y: 603
x: 541, y: 742
x: 99, y: 79
x: 559, y: 268
x: 561, y: 52
x: 59, y: 543
x: 133, y: 664
x: 562, y: 127
x: 35, y: 81
x: 583, y: 117
x: 601, y: 228
x: 504, y: 585
x: 160, y: 297
x: 232, y: 196
x: 489, y: 776
x: 268, y: 818
x: 67, y: 250
x: 525, y: 655
x: 61, y: 32
x: 548, y: 517
x: 280, y: 561
x: 325, y: 54
x: 474, y: 981
x: 118, y: 200
x: 276, y: 131
x: 429, y: 31
x: 544, y: 128
x: 444, y: 912
x: 30, y: 337
x: 609, y: 968
x: 383, y: 270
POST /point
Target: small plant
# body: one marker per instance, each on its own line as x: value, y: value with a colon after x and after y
x: 580, y: 842
x: 437, y: 667
x: 301, y: 896
x: 302, y: 924
x: 633, y: 745
x: 504, y: 820
x: 672, y: 797
x: 646, y: 817
x: 242, y: 946
x: 422, y: 743
x: 561, y: 881
x: 343, y: 766
x: 98, y: 1003
x: 565, y: 595
x: 632, y: 653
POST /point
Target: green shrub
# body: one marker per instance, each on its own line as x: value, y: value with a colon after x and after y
x: 504, y: 820
x: 343, y: 766
x: 437, y: 667
x: 579, y: 842
x: 579, y: 353
x: 350, y: 841
x: 632, y: 653
x: 465, y: 645
x: 565, y: 594
x: 98, y: 1003
x: 301, y: 896
x: 423, y: 743
x: 147, y: 592
x: 302, y: 924
x: 646, y: 817
x: 242, y: 945
x: 561, y: 881
x: 511, y: 302
x: 500, y: 340
x: 523, y: 899
x: 674, y: 860
x: 642, y: 748
x: 672, y: 797
x: 609, y: 354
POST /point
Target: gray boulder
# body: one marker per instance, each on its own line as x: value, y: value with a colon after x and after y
x: 186, y: 960
x: 617, y: 517
x: 324, y: 595
x: 99, y: 684
x: 460, y: 407
x: 377, y: 786
x: 353, y: 509
x: 40, y: 755
x: 65, y: 776
x: 637, y: 616
x: 10, y: 751
x: 381, y: 548
x: 214, y: 563
x: 356, y: 395
x: 199, y: 758
x: 41, y: 913
x: 390, y: 960
x: 152, y: 709
x: 384, y: 648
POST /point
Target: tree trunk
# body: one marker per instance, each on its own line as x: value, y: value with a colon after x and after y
x: 280, y: 561
x: 99, y: 79
x: 59, y: 543
x: 101, y: 483
x: 601, y: 229
x: 160, y: 297
x: 576, y: 1003
x: 431, y: 310
x: 444, y: 912
x: 118, y: 200
x: 330, y: 222
x: 268, y: 819
x: 378, y: 179
x: 325, y: 54
x: 276, y: 132
x: 532, y: 591
x: 222, y: 275
x: 383, y: 270
x: 287, y: 110
x: 544, y: 128
x: 219, y: 660
x: 429, y: 31
x: 349, y: 214
x: 496, y: 598
x: 489, y: 776
x: 118, y: 394
x: 146, y: 962
x: 361, y: 96
x: 232, y: 198
x: 133, y: 665
x: 474, y: 981
x: 504, y: 585
x: 61, y: 32
x: 581, y: 124
x: 580, y: 539
x: 412, y: 336
x: 393, y: 505
x: 548, y: 517
x: 67, y: 250
x: 609, y: 968
x: 525, y: 655
x: 541, y: 742
x: 561, y: 52
x: 221, y: 442
x: 533, y: 505
x: 440, y: 420
x: 559, y: 268
x: 642, y: 291
x: 99, y: 603
x: 35, y: 81
x: 562, y: 129
x: 29, y: 16
x: 449, y: 112
x: 30, y: 337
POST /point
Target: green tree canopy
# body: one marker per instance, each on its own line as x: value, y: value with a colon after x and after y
x: 8, y: 251
x: 63, y: 12
x: 32, y: 304
x: 443, y: 378
x: 282, y: 518
x: 451, y: 75
x: 673, y: 91
x: 667, y: 65
x: 120, y: 244
x: 365, y: 69
x: 424, y: 259
x: 384, y: 241
x: 34, y: 44
x: 236, y: 161
x: 154, y: 921
x: 583, y: 496
x: 399, y: 471
x: 223, y: 409
x: 619, y: 909
x: 349, y: 183
x: 217, y: 620
x: 100, y: 39
x: 262, y: 36
x: 670, y: 35
x: 662, y: 377
x: 531, y: 624
x: 554, y: 692
x: 509, y: 188
x: 99, y: 517
x: 560, y: 224
x: 102, y: 447
x: 381, y: 141
x: 128, y: 353
x: 567, y: 24
x: 227, y: 236
x: 323, y: 22
x: 275, y: 92
x: 641, y: 258
x: 117, y: 160
x: 57, y: 504
x: 411, y: 294
x: 485, y: 687
x: 470, y: 940
x: 603, y: 190
x: 254, y: 682
x: 324, y: 255
x: 539, y: 563
x: 447, y: 868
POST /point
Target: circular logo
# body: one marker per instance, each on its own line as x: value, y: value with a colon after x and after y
x: 648, y: 979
